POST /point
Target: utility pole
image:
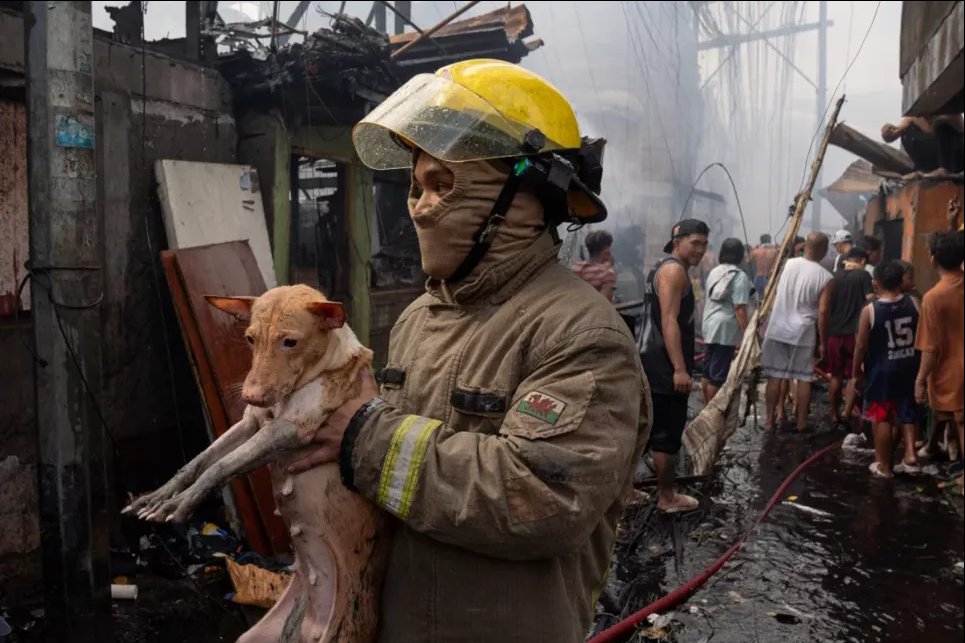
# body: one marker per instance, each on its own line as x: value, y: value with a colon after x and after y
x: 822, y: 98
x: 755, y: 35
x: 378, y: 11
x: 403, y: 13
x: 65, y: 252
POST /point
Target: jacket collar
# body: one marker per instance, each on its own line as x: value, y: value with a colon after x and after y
x: 497, y: 283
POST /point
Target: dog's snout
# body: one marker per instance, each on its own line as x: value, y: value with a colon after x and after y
x: 254, y: 397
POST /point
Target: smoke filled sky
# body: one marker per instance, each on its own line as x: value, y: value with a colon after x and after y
x: 627, y: 69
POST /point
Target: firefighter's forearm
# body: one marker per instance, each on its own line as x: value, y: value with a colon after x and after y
x: 521, y: 499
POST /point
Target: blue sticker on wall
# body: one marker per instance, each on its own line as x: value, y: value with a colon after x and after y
x: 72, y: 131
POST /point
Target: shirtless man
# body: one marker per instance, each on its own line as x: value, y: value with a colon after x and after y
x: 934, y: 143
x: 762, y: 258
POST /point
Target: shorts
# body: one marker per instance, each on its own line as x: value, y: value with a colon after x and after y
x: 759, y: 283
x: 839, y: 356
x: 787, y: 361
x: 717, y: 359
x: 669, y: 420
x: 948, y: 416
x: 904, y: 411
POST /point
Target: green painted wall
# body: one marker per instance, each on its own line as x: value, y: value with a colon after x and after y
x: 263, y: 143
x: 335, y: 143
x: 281, y: 199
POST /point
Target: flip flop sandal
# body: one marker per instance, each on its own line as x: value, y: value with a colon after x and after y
x: 907, y: 469
x: 689, y: 504
x: 875, y: 469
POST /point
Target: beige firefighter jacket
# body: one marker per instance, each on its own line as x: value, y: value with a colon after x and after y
x: 515, y: 411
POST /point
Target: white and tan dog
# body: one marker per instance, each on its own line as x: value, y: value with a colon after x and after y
x: 305, y: 363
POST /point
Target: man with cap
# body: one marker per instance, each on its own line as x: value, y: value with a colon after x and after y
x: 513, y: 408
x: 667, y: 350
x: 843, y: 243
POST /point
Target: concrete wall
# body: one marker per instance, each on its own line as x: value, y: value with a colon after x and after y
x: 147, y: 389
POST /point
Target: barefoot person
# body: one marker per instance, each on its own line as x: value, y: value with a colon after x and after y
x: 668, y: 353
x: 850, y: 291
x: 790, y: 343
x: 941, y: 335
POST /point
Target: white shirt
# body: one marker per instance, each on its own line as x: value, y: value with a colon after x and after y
x: 796, y: 304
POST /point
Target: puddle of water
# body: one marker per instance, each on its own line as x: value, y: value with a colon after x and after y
x: 869, y: 560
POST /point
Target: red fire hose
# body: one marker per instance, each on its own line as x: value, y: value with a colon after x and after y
x: 621, y: 630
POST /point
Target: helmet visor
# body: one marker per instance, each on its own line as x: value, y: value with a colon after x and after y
x: 442, y: 118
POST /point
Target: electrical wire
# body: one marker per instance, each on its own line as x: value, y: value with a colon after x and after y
x: 33, y: 276
x: 733, y: 187
x: 834, y: 93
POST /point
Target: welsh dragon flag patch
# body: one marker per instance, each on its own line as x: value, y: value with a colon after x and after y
x: 542, y: 407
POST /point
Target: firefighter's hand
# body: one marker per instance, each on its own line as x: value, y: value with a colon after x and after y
x: 327, y: 442
x: 682, y: 382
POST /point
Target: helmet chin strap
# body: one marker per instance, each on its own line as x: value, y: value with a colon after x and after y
x: 483, y: 238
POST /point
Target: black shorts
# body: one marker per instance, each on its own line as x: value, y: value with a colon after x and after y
x: 717, y: 359
x: 669, y: 420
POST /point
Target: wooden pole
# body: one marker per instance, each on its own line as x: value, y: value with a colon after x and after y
x: 433, y: 29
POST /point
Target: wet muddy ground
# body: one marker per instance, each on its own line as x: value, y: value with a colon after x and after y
x: 854, y: 559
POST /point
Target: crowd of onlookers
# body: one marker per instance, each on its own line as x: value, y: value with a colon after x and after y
x: 893, y: 359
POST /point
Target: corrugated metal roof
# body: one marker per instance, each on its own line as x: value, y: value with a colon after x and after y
x: 516, y: 22
x: 498, y: 34
x: 858, y: 177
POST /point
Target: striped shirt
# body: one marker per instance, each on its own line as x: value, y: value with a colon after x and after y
x: 598, y: 275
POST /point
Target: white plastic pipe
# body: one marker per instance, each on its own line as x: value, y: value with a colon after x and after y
x: 124, y: 592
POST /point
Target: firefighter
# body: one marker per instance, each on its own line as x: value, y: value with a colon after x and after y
x: 514, y: 408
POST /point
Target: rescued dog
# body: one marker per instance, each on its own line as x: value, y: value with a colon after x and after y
x: 305, y: 364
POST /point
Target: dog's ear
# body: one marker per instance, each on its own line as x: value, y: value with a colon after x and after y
x: 238, y: 307
x: 331, y: 313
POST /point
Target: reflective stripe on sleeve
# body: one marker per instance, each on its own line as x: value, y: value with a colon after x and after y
x: 403, y: 464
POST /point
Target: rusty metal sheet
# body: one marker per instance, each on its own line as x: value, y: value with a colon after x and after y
x: 516, y: 22
x: 919, y: 22
x: 13, y: 205
x: 932, y: 79
x: 221, y: 359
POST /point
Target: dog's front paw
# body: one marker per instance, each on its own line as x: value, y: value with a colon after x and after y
x: 179, y: 508
x: 150, y: 502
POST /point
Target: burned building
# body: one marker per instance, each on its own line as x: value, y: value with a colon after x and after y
x: 287, y: 113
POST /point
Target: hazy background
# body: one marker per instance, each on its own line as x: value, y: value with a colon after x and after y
x: 633, y: 74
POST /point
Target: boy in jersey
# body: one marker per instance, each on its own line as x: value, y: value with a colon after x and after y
x: 886, y: 362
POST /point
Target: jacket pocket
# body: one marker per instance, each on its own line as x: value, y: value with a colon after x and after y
x: 481, y: 409
x: 478, y: 402
x: 391, y: 379
x: 551, y: 408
